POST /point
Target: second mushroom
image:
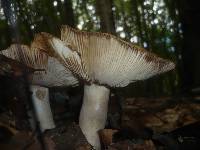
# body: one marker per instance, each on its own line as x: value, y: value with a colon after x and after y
x: 49, y: 72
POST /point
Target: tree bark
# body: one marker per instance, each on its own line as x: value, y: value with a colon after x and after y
x: 138, y: 21
x: 68, y: 13
x: 104, y: 11
x: 11, y: 17
x: 190, y: 11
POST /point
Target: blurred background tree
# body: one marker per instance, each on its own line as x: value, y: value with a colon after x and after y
x: 167, y: 27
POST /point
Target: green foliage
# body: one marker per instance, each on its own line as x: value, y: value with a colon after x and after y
x: 153, y: 24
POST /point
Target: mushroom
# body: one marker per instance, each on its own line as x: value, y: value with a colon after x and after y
x: 102, y: 61
x: 49, y: 72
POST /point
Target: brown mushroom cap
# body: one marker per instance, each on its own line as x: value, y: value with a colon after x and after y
x: 49, y: 71
x: 105, y: 59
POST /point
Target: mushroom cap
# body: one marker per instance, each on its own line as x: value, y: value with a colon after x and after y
x: 104, y: 59
x: 48, y: 72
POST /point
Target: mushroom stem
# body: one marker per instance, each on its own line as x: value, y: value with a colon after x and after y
x: 40, y: 98
x: 93, y: 113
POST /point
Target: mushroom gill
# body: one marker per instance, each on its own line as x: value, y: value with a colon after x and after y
x: 108, y: 60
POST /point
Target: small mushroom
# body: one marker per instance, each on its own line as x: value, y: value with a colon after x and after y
x: 102, y: 61
x: 48, y: 72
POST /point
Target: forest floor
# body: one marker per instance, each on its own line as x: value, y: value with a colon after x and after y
x: 143, y: 124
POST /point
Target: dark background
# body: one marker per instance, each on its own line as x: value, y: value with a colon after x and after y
x: 169, y: 28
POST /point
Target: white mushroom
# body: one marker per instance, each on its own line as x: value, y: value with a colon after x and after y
x: 49, y: 72
x: 102, y: 60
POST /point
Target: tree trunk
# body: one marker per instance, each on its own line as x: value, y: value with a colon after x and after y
x: 68, y: 13
x: 190, y: 11
x: 23, y: 12
x: 104, y: 11
x: 11, y: 17
x: 136, y: 13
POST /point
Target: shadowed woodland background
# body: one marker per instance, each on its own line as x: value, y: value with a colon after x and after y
x: 168, y: 28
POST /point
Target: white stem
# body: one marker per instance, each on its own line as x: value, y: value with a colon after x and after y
x: 93, y: 113
x: 40, y: 98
